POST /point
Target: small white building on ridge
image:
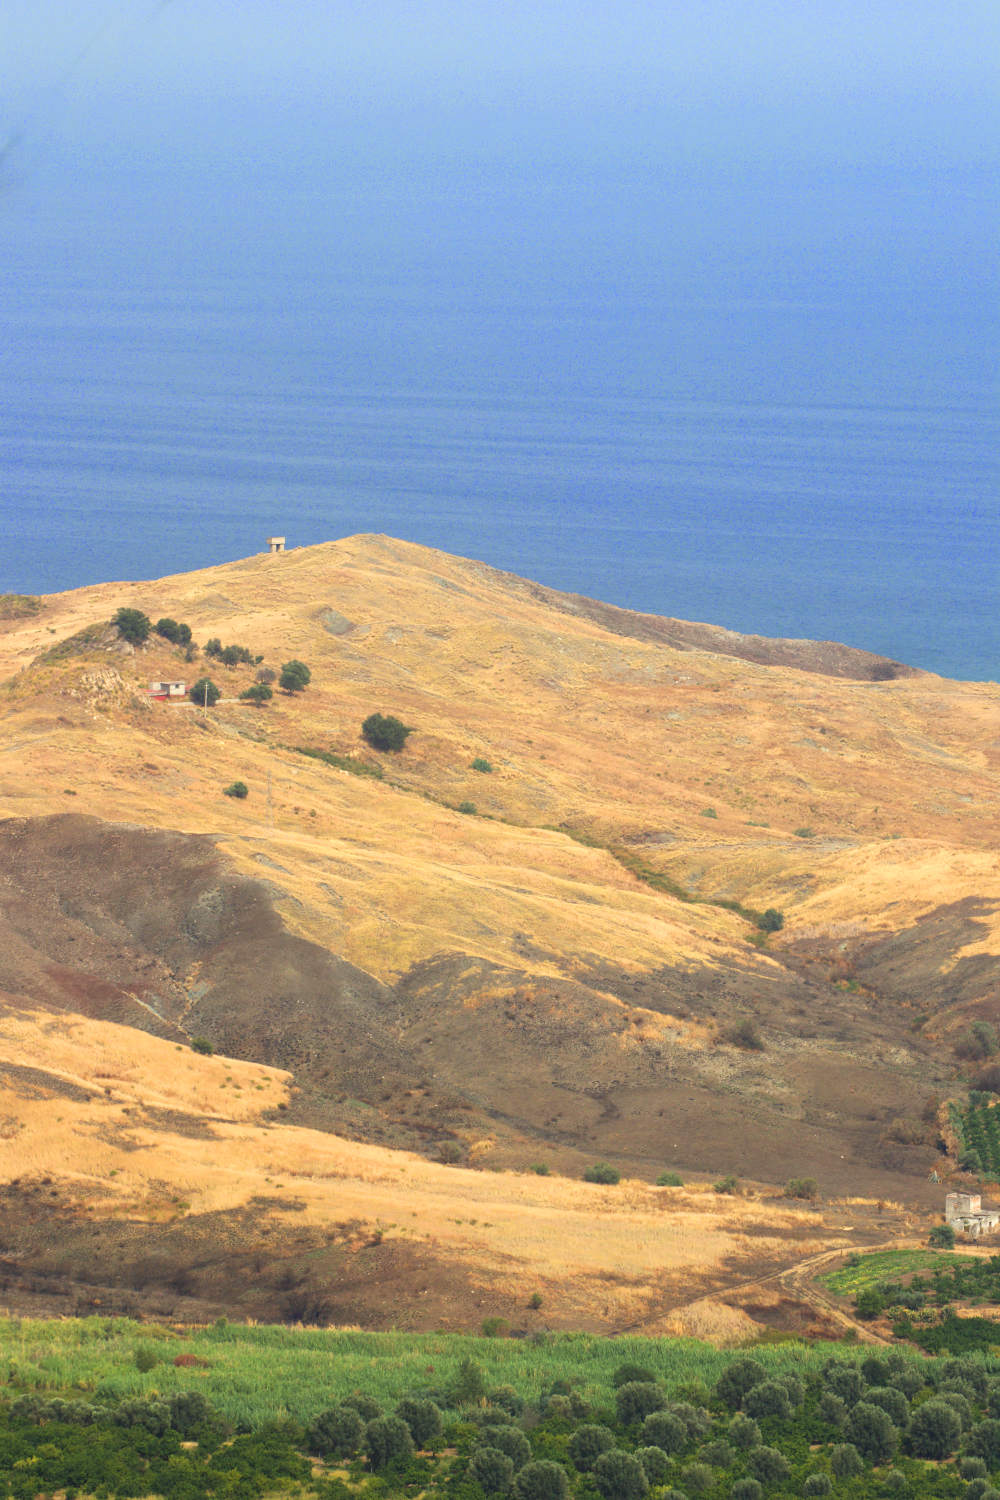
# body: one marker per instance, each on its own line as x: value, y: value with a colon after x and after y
x: 964, y: 1212
x: 167, y: 689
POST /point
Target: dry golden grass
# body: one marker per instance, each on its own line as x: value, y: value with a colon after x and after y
x: 624, y: 738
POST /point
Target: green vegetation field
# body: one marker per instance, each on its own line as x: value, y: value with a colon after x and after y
x: 102, y: 1408
x: 252, y: 1374
x: 863, y: 1271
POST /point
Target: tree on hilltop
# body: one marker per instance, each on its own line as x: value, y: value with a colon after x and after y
x: 132, y: 625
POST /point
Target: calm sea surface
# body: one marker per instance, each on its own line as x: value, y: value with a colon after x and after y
x: 769, y: 405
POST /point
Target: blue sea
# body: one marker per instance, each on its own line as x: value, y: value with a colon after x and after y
x: 766, y: 402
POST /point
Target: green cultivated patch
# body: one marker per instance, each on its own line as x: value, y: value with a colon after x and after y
x: 883, y: 1265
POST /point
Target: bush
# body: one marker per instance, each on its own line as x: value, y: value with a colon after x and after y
x: 169, y: 629
x: 587, y: 1444
x: 744, y: 1034
x: 337, y: 1432
x: 746, y: 1489
x: 984, y: 1441
x: 295, y: 675
x: 494, y: 1328
x: 384, y: 732
x: 669, y: 1179
x: 267, y: 676
x: 935, y: 1429
x: 145, y: 1359
x: 422, y: 1417
x: 970, y: 1161
x: 636, y: 1400
x: 626, y: 1373
x: 507, y: 1399
x: 479, y: 764
x: 258, y: 693
x: 768, y: 1465
x: 367, y: 1408
x: 892, y: 1402
x: 232, y: 656
x: 768, y: 1399
x: 203, y: 1045
x: 727, y: 1184
x: 387, y: 1440
x: 132, y: 625
x: 872, y: 1432
x: 802, y: 1187
x: 895, y: 1482
x: 720, y: 1454
x: 469, y: 1383
x: 492, y: 1470
x: 620, y: 1476
x: 771, y: 920
x: 978, y: 1043
x: 817, y: 1484
x: 509, y: 1440
x: 737, y: 1379
x: 697, y: 1478
x: 744, y: 1432
x: 942, y: 1237
x: 542, y: 1480
x: 238, y: 789
x: 540, y: 1168
x: 204, y: 693
x: 655, y: 1464
x: 468, y: 808
x: 663, y: 1429
x: 601, y: 1171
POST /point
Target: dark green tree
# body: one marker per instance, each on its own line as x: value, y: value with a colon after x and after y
x: 587, y: 1444
x: 872, y: 1431
x: 542, y: 1480
x: 935, y: 1430
x: 387, y: 1439
x: 204, y: 693
x: 663, y: 1429
x: 339, y: 1432
x: 768, y: 1465
x: 510, y: 1440
x: 385, y: 732
x: 636, y: 1400
x: 132, y: 625
x: 258, y: 693
x: 737, y: 1379
x: 655, y: 1464
x: 295, y: 675
x: 620, y: 1476
x: 602, y: 1171
x: 422, y: 1417
x: 628, y: 1372
x: 492, y: 1470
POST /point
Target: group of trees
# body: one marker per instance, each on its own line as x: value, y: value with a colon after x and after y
x: 884, y: 1425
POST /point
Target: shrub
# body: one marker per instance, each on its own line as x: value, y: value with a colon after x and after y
x: 422, y: 1417
x: 384, y: 732
x: 626, y: 1373
x: 258, y: 693
x: 635, y: 1400
x: 295, y: 675
x: 744, y: 1432
x: 387, y: 1439
x: 832, y: 1408
x: 984, y: 1441
x: 771, y: 920
x: 942, y: 1237
x: 892, y: 1402
x: 935, y: 1429
x: 768, y: 1465
x: 768, y: 1399
x: 492, y: 1470
x: 587, y: 1444
x: 738, y: 1378
x: 535, y: 1301
x: 542, y: 1480
x: 495, y: 1328
x: 662, y: 1429
x: 601, y: 1171
x: 805, y: 833
x: 720, y: 1454
x: 655, y: 1464
x: 479, y: 764
x: 802, y: 1187
x: 872, y: 1432
x: 697, y: 1478
x: 970, y: 1161
x: 540, y: 1168
x: 132, y: 625
x: 727, y: 1184
x: 365, y: 1406
x: 509, y: 1440
x: 468, y: 808
x: 817, y: 1484
x: 469, y: 1384
x: 238, y: 789
x: 978, y: 1043
x: 669, y: 1179
x: 744, y: 1034
x: 895, y: 1482
x: 620, y: 1476
x: 203, y: 1045
x: 145, y: 1359
x: 204, y: 693
x: 507, y: 1399
x: 337, y: 1432
x: 746, y: 1489
x: 267, y: 676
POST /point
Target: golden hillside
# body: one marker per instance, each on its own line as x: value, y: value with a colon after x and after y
x: 547, y: 974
